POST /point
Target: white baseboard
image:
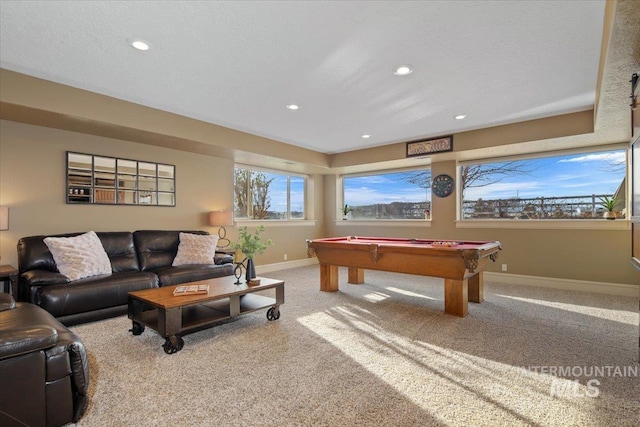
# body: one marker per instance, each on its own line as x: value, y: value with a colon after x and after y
x: 286, y: 264
x: 621, y: 289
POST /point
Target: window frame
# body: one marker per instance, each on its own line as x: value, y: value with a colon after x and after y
x: 340, y: 198
x: 306, y: 179
x: 582, y: 224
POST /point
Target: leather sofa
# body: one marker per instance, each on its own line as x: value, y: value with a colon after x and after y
x: 139, y: 260
x: 44, y: 371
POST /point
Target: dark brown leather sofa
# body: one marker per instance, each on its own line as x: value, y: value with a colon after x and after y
x: 139, y: 260
x: 44, y: 371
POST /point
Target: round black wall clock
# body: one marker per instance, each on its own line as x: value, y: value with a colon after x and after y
x: 442, y: 185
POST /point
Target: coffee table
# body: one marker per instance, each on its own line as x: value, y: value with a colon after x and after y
x: 174, y: 316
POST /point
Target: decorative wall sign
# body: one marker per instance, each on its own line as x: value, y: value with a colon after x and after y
x: 443, y: 185
x: 430, y: 146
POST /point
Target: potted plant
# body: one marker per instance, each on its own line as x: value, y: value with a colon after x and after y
x: 609, y: 204
x: 251, y: 244
x: 345, y: 211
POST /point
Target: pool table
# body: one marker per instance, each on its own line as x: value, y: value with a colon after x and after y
x: 459, y: 263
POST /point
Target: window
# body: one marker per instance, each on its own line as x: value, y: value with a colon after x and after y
x: 569, y: 186
x: 393, y: 195
x: 268, y: 195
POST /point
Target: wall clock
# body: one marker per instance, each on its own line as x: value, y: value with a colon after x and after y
x: 442, y: 185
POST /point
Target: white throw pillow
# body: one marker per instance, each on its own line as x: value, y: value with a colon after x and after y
x: 196, y: 249
x: 79, y: 256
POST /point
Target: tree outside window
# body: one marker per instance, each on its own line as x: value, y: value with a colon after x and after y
x: 264, y: 195
x: 554, y: 187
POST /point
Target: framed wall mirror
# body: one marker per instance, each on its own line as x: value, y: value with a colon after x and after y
x: 106, y: 180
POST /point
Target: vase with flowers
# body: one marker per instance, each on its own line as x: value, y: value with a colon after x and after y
x: 251, y: 244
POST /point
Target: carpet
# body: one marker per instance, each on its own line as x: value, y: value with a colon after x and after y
x: 379, y: 354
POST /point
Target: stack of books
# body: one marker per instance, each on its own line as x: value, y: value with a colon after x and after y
x: 191, y: 290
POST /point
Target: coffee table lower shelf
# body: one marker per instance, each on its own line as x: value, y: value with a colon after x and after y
x: 179, y: 315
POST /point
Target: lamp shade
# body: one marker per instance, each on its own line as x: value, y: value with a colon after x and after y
x: 220, y: 218
x: 4, y: 217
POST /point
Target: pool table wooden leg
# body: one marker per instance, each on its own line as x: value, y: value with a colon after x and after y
x: 328, y: 278
x: 476, y: 284
x: 356, y: 275
x: 456, y: 294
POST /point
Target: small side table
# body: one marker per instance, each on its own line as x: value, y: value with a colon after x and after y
x: 9, y: 274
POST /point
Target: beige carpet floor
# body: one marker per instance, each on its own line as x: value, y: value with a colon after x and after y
x: 379, y: 354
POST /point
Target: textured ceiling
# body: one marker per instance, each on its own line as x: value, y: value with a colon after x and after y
x: 237, y: 64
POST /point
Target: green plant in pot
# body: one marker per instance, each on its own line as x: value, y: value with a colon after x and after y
x: 345, y: 211
x: 609, y: 204
x: 251, y: 244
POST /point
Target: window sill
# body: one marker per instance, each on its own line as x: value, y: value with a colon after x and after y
x: 548, y: 224
x: 385, y: 222
x: 276, y: 222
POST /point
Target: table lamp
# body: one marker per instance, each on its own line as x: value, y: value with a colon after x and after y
x: 4, y: 217
x: 220, y: 219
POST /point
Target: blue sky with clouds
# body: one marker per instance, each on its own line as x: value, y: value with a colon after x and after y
x: 568, y: 175
x: 278, y: 193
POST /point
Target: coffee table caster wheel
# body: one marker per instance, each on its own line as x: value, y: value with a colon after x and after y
x: 137, y: 328
x: 273, y: 313
x: 173, y: 344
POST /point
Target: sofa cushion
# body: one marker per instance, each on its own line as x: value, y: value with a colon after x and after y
x: 191, y: 273
x: 157, y: 248
x: 93, y: 293
x: 80, y: 256
x: 196, y: 249
x: 121, y: 250
x: 33, y: 254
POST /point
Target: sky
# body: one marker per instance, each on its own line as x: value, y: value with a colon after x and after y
x: 569, y: 175
x: 278, y: 193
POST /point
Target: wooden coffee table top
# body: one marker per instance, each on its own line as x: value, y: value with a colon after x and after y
x: 220, y: 287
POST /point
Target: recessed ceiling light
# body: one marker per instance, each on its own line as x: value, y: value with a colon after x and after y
x: 460, y: 116
x: 403, y: 70
x: 366, y: 136
x: 292, y: 107
x: 140, y: 45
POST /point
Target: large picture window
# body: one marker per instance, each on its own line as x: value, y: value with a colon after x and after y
x: 265, y: 195
x: 569, y: 186
x: 392, y: 195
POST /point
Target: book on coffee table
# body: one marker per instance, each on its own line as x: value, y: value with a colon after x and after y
x: 191, y: 290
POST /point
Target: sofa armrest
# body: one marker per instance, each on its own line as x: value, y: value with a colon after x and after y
x: 43, y: 277
x: 16, y: 341
x: 6, y: 302
x: 222, y: 258
x: 71, y: 343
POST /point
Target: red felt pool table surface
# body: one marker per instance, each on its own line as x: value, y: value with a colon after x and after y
x: 459, y: 262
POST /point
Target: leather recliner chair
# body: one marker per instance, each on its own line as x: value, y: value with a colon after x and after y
x: 44, y: 370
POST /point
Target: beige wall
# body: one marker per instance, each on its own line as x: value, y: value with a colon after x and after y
x: 32, y: 184
x: 590, y: 255
x: 32, y: 179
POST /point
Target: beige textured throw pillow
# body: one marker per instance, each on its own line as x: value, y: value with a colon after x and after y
x: 196, y: 249
x: 79, y: 256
